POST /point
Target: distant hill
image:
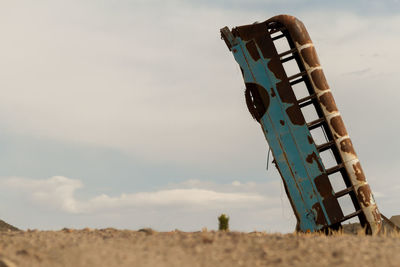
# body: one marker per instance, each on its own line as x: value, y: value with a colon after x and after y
x: 396, y: 220
x: 5, y: 226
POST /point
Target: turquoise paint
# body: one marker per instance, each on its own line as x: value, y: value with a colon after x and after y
x: 289, y: 143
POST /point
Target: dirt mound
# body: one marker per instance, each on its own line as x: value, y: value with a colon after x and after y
x: 6, y: 227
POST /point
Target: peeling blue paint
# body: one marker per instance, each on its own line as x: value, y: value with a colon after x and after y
x: 289, y: 142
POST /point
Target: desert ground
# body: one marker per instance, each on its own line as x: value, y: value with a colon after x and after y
x: 146, y: 247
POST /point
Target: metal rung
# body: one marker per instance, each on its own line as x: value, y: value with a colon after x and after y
x: 281, y: 29
x: 334, y: 168
x: 278, y: 37
x: 287, y: 59
x: 291, y: 51
x: 325, y: 146
x: 302, y: 105
x: 297, y: 75
x: 297, y: 81
x: 316, y: 123
x: 344, y: 192
x: 303, y: 101
x: 351, y: 215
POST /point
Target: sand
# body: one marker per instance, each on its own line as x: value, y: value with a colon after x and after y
x: 111, y: 247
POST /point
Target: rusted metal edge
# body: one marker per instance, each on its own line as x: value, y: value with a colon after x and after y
x: 308, y: 55
x: 310, y: 193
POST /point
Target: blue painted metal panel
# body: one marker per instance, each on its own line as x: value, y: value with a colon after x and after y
x: 295, y: 153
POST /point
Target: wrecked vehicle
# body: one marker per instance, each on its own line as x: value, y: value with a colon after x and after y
x: 293, y: 136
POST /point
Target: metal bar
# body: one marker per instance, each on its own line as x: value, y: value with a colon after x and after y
x: 280, y: 29
x: 351, y: 215
x: 325, y: 146
x: 278, y: 37
x: 297, y: 81
x: 291, y: 51
x: 304, y: 99
x: 316, y: 123
x: 344, y: 192
x: 286, y: 59
x: 297, y: 75
x: 334, y: 168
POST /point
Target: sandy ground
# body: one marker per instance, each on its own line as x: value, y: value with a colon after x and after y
x: 110, y: 247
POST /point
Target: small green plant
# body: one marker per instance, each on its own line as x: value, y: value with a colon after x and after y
x: 223, y: 222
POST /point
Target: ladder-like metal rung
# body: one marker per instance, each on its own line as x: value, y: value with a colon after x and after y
x: 351, y: 215
x: 297, y: 75
x: 280, y: 29
x: 305, y: 101
x: 334, y: 168
x: 297, y: 81
x: 291, y: 51
x: 325, y: 146
x: 278, y: 37
x: 314, y: 124
x: 286, y: 59
x: 344, y: 192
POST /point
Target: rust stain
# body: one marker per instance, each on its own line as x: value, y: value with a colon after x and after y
x: 359, y: 172
x: 276, y: 67
x: 295, y: 116
x: 328, y: 101
x: 323, y: 185
x: 310, y: 56
x: 265, y: 44
x: 282, y: 122
x: 310, y: 140
x: 294, y: 26
x: 246, y: 32
x: 338, y: 126
x: 313, y: 157
x: 256, y: 32
x: 333, y: 209
x: 257, y: 100
x: 376, y: 214
x: 347, y: 146
x: 320, y: 218
x: 252, y: 48
x: 364, y: 195
x: 319, y: 80
x: 285, y: 93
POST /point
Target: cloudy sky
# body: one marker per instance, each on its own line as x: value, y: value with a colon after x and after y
x: 131, y: 114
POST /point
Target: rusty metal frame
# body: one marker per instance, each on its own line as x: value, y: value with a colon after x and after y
x: 252, y: 44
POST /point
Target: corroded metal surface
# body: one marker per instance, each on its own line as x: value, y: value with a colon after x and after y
x: 331, y: 113
x: 272, y: 102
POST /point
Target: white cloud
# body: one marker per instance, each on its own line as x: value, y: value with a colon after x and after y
x: 56, y: 192
x: 59, y: 193
x: 178, y: 206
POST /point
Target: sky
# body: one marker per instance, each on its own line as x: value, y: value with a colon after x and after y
x: 131, y: 114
